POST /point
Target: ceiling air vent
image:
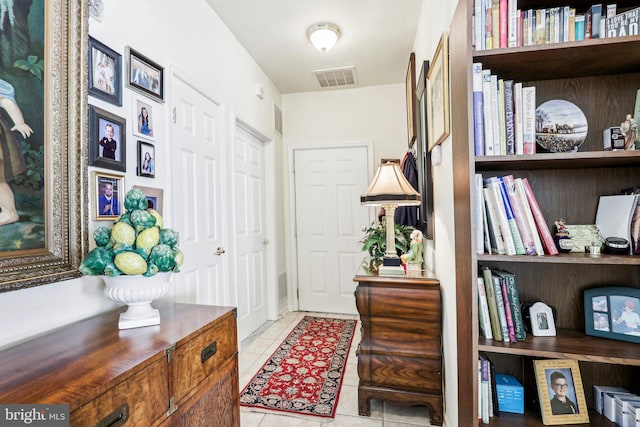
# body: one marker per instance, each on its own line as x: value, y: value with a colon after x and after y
x: 336, y: 77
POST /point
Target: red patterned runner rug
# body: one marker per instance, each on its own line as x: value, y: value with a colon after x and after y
x: 303, y: 376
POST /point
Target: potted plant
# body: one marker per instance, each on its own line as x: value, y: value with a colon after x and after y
x: 135, y: 258
x: 375, y: 244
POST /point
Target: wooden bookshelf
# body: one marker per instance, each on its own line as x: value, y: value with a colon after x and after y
x: 601, y: 76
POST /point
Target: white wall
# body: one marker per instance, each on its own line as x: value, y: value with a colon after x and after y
x: 187, y: 36
x: 441, y: 251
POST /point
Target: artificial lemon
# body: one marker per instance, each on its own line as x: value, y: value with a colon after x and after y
x: 123, y: 233
x: 148, y: 238
x: 157, y: 215
x: 130, y: 263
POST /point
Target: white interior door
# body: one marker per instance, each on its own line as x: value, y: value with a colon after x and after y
x: 329, y: 217
x: 250, y: 235
x: 198, y: 194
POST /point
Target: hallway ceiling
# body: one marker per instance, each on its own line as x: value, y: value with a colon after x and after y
x: 377, y: 38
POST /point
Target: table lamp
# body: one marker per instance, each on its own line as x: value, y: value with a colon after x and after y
x: 390, y: 189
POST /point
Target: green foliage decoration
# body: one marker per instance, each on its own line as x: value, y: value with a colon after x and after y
x: 374, y: 241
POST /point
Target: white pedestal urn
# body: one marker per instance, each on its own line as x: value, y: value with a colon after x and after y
x: 137, y: 292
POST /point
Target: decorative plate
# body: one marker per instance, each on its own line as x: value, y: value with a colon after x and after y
x: 560, y: 126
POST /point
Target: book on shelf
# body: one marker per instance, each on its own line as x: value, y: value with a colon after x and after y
x: 529, y: 216
x: 592, y: 22
x: 514, y: 303
x: 623, y: 24
x: 509, y: 123
x: 491, y: 399
x: 487, y: 112
x: 479, y: 211
x: 517, y: 117
x: 502, y: 315
x: 519, y: 214
x: 529, y: 119
x: 486, y: 234
x: 478, y: 114
x: 571, y: 22
x: 492, y: 303
x: 484, y: 390
x: 483, y: 310
x: 495, y: 115
x: 579, y: 27
x: 507, y: 307
x: 511, y: 219
x: 488, y: 25
x: 541, y: 224
x: 505, y: 228
x: 512, y: 23
x: 614, y: 216
x: 493, y: 223
x: 495, y: 23
x: 501, y: 116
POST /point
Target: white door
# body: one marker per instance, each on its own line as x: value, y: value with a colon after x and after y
x: 198, y: 195
x: 329, y: 217
x: 250, y: 235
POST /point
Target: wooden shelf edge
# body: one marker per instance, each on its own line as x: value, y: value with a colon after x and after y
x: 568, y: 344
x: 570, y: 258
x: 529, y: 419
x: 579, y: 160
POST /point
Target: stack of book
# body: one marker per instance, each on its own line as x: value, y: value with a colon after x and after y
x: 504, y: 114
x: 508, y: 217
x: 500, y: 24
x: 499, y: 313
x: 487, y: 390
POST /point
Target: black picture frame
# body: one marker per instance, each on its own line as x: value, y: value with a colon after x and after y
x: 99, y: 119
x: 146, y: 167
x: 603, y: 313
x: 105, y: 72
x: 145, y: 75
x: 423, y: 157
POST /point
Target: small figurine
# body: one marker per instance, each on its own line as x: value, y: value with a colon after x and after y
x: 562, y: 239
x: 629, y: 129
x: 413, y: 258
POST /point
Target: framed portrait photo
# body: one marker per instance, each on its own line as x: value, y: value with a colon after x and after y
x: 144, y: 75
x: 108, y: 195
x: 107, y: 140
x: 613, y: 312
x: 560, y: 392
x: 542, y: 321
x: 438, y: 94
x: 105, y: 72
x: 146, y: 159
x: 143, y: 119
x: 410, y: 87
x: 154, y: 197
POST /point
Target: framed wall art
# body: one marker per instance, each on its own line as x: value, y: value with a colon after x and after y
x: 43, y: 223
x: 560, y: 392
x: 146, y: 159
x: 143, y: 119
x: 423, y: 157
x: 144, y: 75
x: 154, y: 197
x: 109, y: 195
x: 438, y: 121
x: 105, y: 72
x: 410, y: 86
x: 613, y: 312
x: 107, y: 140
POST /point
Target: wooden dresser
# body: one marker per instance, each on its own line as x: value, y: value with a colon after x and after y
x: 400, y: 354
x: 181, y: 372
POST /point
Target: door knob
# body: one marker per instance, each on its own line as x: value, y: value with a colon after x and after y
x: 219, y: 251
x: 265, y: 241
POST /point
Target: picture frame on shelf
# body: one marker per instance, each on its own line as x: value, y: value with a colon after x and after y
x: 613, y: 312
x: 144, y: 75
x: 560, y: 392
x: 542, y: 321
x: 107, y: 140
x: 423, y: 157
x: 438, y: 115
x: 154, y: 197
x: 105, y: 72
x: 410, y: 87
x: 146, y: 159
x: 108, y: 195
x: 143, y: 119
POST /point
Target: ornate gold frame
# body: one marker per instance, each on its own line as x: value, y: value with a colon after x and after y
x: 66, y: 206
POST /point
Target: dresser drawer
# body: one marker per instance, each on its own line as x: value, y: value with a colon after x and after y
x: 403, y: 373
x: 141, y: 399
x: 199, y: 357
x: 414, y: 303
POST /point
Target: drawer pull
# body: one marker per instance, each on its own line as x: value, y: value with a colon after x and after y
x: 116, y: 418
x: 208, y: 351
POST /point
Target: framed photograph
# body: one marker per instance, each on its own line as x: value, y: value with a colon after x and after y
x: 438, y: 94
x: 423, y: 157
x: 613, y: 312
x: 560, y: 392
x: 144, y: 75
x: 542, y: 321
x: 146, y: 159
x: 105, y: 75
x: 410, y: 84
x: 107, y: 140
x: 143, y: 119
x: 154, y: 197
x: 108, y: 195
x: 43, y: 223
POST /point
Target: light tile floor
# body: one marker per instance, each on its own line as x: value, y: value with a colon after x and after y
x: 254, y: 352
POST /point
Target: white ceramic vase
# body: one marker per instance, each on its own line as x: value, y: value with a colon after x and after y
x: 137, y: 292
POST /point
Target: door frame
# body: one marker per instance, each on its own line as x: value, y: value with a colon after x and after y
x: 270, y: 209
x: 292, y: 281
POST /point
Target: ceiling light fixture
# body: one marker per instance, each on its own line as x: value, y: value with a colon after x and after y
x: 323, y: 36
